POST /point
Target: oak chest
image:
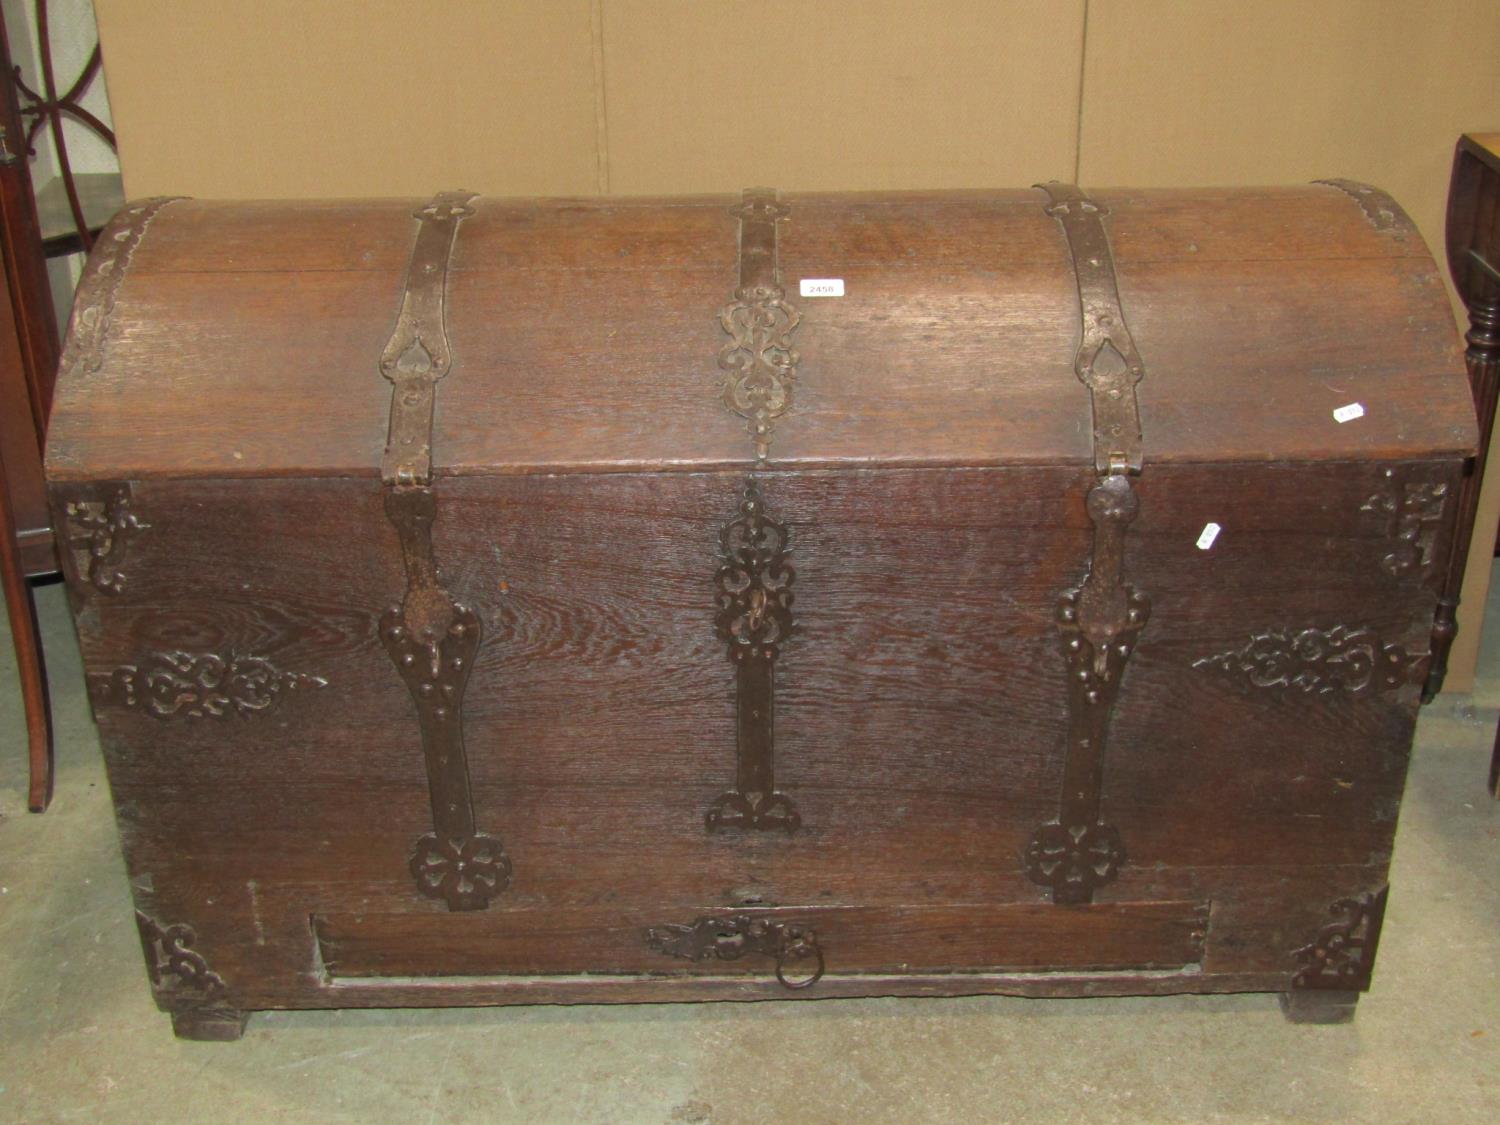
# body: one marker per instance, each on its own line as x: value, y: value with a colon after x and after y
x: 495, y: 601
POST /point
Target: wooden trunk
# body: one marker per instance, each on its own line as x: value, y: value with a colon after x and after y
x: 544, y: 601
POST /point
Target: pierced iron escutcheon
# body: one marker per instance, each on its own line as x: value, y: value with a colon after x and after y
x: 728, y: 937
x: 1101, y: 620
x: 431, y: 638
x: 755, y: 616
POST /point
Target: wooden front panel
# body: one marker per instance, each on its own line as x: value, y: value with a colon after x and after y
x: 1020, y: 937
x: 921, y: 708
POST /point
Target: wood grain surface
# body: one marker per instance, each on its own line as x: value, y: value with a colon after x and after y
x: 921, y: 714
x: 244, y: 336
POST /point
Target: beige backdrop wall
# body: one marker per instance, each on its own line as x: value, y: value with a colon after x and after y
x: 401, y: 97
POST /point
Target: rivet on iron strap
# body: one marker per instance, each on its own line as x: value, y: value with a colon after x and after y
x: 755, y: 576
x: 431, y: 638
x: 1100, y: 620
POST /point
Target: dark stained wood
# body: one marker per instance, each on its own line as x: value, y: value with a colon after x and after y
x: 586, y: 336
x: 1018, y: 937
x: 265, y: 755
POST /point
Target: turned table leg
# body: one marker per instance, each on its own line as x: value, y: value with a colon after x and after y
x: 28, y: 642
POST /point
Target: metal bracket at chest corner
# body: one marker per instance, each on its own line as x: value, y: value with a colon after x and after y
x: 1413, y: 510
x: 99, y: 525
x: 1100, y: 620
x: 430, y: 637
x: 1342, y: 955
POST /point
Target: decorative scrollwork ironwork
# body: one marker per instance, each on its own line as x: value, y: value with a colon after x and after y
x: 94, y: 303
x: 730, y: 937
x: 754, y: 617
x: 759, y: 362
x: 1354, y: 661
x: 185, y: 685
x: 1342, y: 956
x: 754, y: 582
x: 175, y: 968
x: 99, y: 531
x: 1413, y: 511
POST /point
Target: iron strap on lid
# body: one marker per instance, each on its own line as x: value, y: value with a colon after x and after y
x: 1099, y: 620
x: 418, y: 354
x: 1106, y: 361
x: 755, y: 576
x: 430, y: 637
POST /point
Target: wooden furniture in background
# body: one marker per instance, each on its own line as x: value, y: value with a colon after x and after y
x: 1473, y: 239
x: 59, y: 218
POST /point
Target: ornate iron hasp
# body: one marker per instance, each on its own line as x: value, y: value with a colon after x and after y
x: 431, y: 638
x: 730, y: 937
x: 1100, y: 620
x: 754, y: 579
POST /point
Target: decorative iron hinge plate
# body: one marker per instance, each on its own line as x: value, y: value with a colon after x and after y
x: 1101, y: 619
x: 755, y: 617
x: 755, y: 577
x: 759, y: 362
x: 430, y: 637
x: 728, y: 937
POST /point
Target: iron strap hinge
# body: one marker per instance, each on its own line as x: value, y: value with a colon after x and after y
x: 418, y: 354
x: 759, y: 362
x: 1107, y: 361
x: 431, y: 638
x: 1099, y: 620
x: 755, y: 576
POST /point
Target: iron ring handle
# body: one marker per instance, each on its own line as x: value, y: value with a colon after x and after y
x: 800, y: 952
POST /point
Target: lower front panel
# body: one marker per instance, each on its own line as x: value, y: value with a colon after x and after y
x: 271, y: 776
x: 800, y: 942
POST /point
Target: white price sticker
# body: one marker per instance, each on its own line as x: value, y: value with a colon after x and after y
x: 1349, y: 413
x: 822, y: 286
x: 1209, y: 533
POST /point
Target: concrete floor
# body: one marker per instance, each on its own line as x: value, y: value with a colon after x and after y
x: 81, y: 1040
